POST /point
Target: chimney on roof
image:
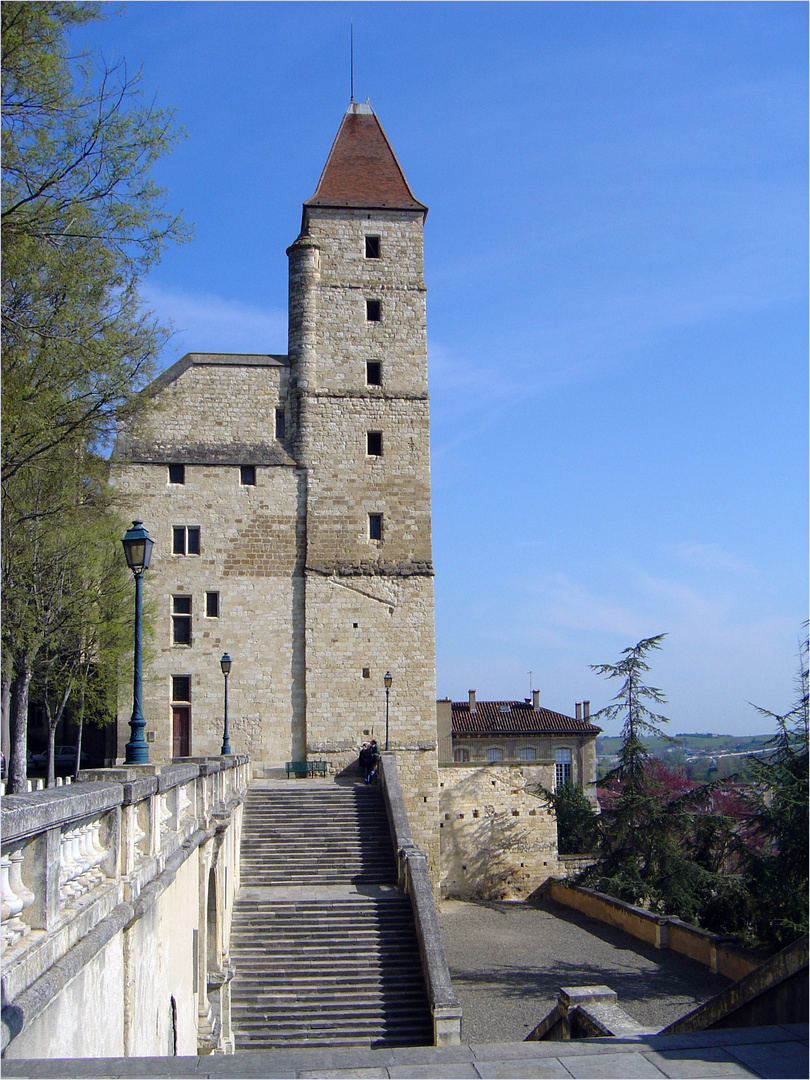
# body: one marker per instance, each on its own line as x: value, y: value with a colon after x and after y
x: 579, y: 710
x: 535, y: 700
x: 586, y: 711
x: 472, y: 701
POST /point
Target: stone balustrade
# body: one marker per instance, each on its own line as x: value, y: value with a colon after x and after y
x: 413, y: 876
x: 82, y: 862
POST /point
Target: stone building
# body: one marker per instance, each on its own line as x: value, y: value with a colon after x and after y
x: 498, y: 838
x: 289, y: 500
x: 562, y: 747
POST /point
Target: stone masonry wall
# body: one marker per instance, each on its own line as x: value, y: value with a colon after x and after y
x: 248, y: 554
x: 497, y: 841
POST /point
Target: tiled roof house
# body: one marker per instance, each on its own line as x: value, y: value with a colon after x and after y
x: 478, y: 733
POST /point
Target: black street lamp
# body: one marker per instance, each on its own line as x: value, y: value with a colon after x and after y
x: 138, y: 546
x: 387, y: 679
x: 225, y: 664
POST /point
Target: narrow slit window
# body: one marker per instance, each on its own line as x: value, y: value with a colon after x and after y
x: 373, y: 373
x: 372, y: 247
x: 373, y: 310
x: 562, y: 766
x: 177, y: 474
x: 280, y: 424
x: 212, y: 605
x: 181, y: 620
x: 374, y: 443
x: 247, y: 475
x: 375, y: 526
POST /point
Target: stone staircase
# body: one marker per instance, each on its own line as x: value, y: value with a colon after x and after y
x: 323, y: 941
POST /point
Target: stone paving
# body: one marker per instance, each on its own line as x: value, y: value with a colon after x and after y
x: 508, y: 961
x: 778, y: 1053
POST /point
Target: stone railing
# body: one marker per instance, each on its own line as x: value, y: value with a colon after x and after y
x: 717, y: 952
x: 83, y: 861
x: 414, y: 878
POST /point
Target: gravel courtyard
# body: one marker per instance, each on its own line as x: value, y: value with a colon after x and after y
x: 508, y: 961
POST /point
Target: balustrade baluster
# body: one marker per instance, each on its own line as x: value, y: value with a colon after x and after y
x: 13, y: 926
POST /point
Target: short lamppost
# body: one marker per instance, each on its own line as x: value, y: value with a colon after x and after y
x: 138, y: 546
x: 225, y: 664
x: 387, y: 679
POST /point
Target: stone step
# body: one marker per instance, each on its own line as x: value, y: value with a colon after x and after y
x: 342, y: 971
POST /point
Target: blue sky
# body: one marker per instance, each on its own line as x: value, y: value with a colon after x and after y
x: 616, y: 260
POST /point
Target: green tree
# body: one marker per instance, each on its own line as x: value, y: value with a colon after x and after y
x: 629, y: 704
x: 577, y: 821
x: 82, y: 221
x: 647, y: 819
x: 777, y: 872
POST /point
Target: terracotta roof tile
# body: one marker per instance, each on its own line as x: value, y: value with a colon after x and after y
x: 362, y: 169
x: 515, y: 717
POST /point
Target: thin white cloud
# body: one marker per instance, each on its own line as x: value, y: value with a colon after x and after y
x: 711, y: 557
x: 204, y: 322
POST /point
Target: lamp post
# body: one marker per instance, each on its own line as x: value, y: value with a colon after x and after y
x: 225, y: 664
x: 138, y: 546
x: 387, y: 679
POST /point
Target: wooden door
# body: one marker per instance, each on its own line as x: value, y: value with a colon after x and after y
x: 181, y: 742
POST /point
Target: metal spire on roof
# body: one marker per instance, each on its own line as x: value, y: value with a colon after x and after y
x: 351, y: 59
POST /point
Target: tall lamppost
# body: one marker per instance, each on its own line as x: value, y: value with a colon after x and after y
x: 138, y: 546
x: 387, y: 679
x: 225, y: 664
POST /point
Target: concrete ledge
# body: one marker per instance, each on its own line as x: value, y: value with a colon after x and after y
x: 777, y: 988
x: 27, y: 815
x: 727, y: 1054
x: 662, y: 931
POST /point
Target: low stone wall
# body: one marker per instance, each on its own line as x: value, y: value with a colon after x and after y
x: 117, y: 893
x: 496, y: 839
x: 663, y: 931
x: 414, y: 878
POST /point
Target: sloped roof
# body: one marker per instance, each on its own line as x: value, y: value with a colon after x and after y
x: 362, y: 169
x: 515, y: 718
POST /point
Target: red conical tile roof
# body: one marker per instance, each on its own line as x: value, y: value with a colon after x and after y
x: 362, y: 169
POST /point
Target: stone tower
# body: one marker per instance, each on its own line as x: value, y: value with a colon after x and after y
x: 289, y: 501
x: 358, y: 420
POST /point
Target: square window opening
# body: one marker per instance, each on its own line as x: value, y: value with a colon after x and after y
x: 375, y: 526
x: 280, y: 423
x: 177, y: 474
x: 366, y: 673
x: 212, y: 605
x: 373, y: 373
x: 181, y: 688
x: 247, y: 475
x: 372, y: 247
x: 186, y: 540
x: 373, y: 310
x: 374, y: 443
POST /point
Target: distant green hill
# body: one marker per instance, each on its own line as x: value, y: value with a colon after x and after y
x: 608, y: 745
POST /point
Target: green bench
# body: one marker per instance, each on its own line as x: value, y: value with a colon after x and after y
x: 305, y: 768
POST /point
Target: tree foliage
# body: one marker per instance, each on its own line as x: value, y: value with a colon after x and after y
x: 777, y: 872
x: 732, y: 861
x: 82, y: 221
x: 577, y: 821
x: 629, y: 704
